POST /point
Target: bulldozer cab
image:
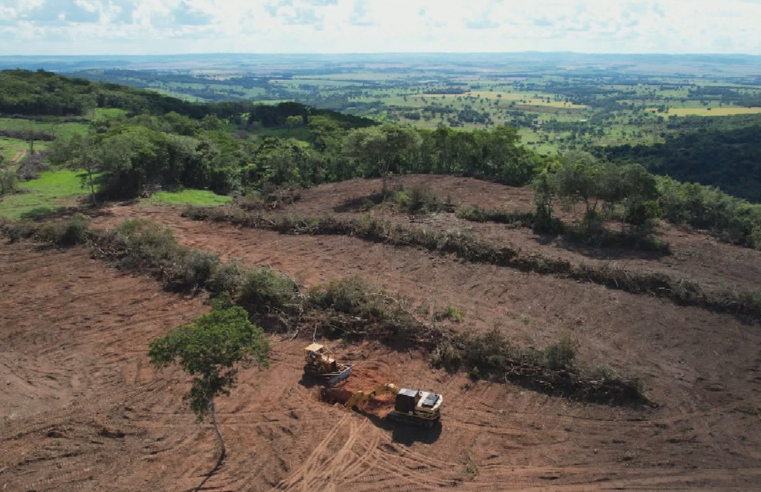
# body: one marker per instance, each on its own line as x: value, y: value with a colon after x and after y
x: 315, y: 354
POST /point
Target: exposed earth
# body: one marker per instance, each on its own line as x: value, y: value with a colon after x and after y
x: 82, y: 409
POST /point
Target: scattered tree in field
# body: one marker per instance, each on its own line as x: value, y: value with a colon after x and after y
x: 211, y: 350
x: 88, y: 158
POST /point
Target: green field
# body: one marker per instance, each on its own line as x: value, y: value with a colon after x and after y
x: 725, y: 111
x: 53, y: 126
x: 52, y: 191
x: 201, y: 198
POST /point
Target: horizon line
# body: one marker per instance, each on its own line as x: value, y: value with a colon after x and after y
x: 383, y: 53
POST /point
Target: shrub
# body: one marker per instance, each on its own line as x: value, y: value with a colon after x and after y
x: 349, y: 295
x: 8, y: 181
x: 419, y: 199
x: 562, y: 355
x: 489, y: 351
x: 354, y: 297
x: 449, y: 312
x: 228, y: 278
x: 514, y: 219
x: 446, y: 356
x: 148, y: 243
x: 18, y: 230
x: 67, y: 232
x: 265, y: 289
x: 192, y: 269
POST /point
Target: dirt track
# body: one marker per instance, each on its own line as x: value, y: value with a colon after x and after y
x: 20, y: 154
x: 82, y: 410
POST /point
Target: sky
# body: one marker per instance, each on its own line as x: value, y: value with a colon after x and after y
x: 145, y: 27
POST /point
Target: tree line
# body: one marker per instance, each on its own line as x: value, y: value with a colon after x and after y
x: 194, y: 147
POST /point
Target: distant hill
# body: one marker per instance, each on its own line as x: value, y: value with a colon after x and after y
x: 42, y: 93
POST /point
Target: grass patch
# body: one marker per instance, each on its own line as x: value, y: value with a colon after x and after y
x: 56, y: 126
x: 53, y: 190
x: 200, y: 198
x: 109, y: 113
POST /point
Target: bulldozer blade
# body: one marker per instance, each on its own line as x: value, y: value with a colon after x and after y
x: 340, y: 377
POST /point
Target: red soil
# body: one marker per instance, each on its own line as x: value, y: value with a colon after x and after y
x: 83, y: 410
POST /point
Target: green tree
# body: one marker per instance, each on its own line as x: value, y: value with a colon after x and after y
x: 88, y: 157
x: 378, y: 148
x: 580, y: 178
x: 210, y: 122
x: 640, y: 190
x: 294, y: 121
x: 544, y: 222
x: 8, y: 179
x: 211, y: 350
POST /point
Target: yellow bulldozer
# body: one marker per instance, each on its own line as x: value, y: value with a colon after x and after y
x: 416, y: 407
x: 320, y: 365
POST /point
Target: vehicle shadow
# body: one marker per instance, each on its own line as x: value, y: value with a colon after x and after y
x: 406, y: 434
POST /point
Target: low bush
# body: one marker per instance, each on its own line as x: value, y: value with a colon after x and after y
x: 419, y: 199
x: 490, y: 351
x: 269, y: 199
x: 382, y: 314
x: 228, y: 278
x: 264, y: 290
x: 475, y: 213
x: 446, y: 356
x: 449, y: 312
x: 8, y: 181
x: 146, y: 244
x: 640, y: 238
x: 190, y: 270
x: 17, y: 230
x: 69, y: 232
x: 562, y: 355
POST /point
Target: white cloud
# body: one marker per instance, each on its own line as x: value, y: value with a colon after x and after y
x: 341, y: 26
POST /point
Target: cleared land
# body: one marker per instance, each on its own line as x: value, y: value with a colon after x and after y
x: 712, y: 111
x: 83, y: 410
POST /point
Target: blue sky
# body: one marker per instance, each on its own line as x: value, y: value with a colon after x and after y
x: 80, y: 27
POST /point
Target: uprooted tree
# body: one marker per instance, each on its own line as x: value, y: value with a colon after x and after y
x: 211, y: 350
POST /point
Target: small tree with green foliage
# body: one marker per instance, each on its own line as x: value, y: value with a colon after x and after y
x: 211, y: 349
x: 377, y: 148
x: 7, y: 179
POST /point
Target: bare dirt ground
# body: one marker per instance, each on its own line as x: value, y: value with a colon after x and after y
x: 696, y: 256
x: 83, y: 410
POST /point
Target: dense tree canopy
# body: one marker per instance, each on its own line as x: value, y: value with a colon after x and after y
x: 729, y: 159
